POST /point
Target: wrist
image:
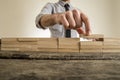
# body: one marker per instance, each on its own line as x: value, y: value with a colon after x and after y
x: 56, y: 19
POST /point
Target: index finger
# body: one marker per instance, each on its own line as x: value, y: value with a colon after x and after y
x: 87, y: 23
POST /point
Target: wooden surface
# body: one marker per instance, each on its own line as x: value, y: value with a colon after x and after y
x: 62, y: 66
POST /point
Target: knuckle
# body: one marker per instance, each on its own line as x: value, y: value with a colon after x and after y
x: 73, y: 25
x: 62, y: 16
x: 68, y: 13
x: 75, y: 11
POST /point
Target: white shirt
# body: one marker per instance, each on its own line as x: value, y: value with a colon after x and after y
x: 56, y: 30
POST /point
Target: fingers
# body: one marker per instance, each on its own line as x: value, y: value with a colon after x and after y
x: 74, y: 19
x: 77, y: 18
x: 64, y: 21
x: 87, y: 23
x: 70, y: 19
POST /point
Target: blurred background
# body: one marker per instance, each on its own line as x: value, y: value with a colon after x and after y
x: 17, y: 17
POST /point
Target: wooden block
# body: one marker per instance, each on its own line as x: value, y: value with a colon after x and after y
x: 68, y: 50
x: 28, y: 43
x: 68, y: 45
x: 9, y: 41
x: 111, y: 50
x: 28, y: 39
x: 29, y: 48
x: 86, y: 51
x: 111, y: 43
x: 91, y: 47
x: 9, y: 49
x: 99, y: 37
x: 111, y: 47
x: 48, y: 49
x: 93, y: 43
x: 10, y: 45
x: 111, y: 39
x: 48, y: 43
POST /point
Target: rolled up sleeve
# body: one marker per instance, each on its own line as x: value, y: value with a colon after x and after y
x: 47, y: 9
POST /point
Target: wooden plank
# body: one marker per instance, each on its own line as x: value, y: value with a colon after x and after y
x: 47, y: 49
x: 93, y: 51
x: 28, y: 43
x: 61, y: 50
x: 28, y: 39
x: 10, y: 45
x: 47, y: 45
x: 9, y: 41
x: 112, y: 43
x: 100, y: 37
x: 31, y: 48
x: 9, y: 49
x: 111, y: 50
x: 91, y: 47
x: 111, y: 47
x: 91, y: 43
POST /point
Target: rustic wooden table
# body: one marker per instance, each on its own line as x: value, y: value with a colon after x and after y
x: 59, y: 66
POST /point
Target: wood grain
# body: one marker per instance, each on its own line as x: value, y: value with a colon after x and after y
x: 68, y: 44
x: 59, y: 70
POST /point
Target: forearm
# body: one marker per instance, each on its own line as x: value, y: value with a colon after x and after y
x: 48, y: 20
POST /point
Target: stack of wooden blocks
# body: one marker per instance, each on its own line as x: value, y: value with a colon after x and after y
x: 15, y: 44
x: 29, y: 44
x: 111, y: 45
x: 100, y: 44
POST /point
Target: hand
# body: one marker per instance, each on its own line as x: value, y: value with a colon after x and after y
x: 73, y: 20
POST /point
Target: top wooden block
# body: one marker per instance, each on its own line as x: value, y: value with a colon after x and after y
x: 28, y: 39
x: 100, y: 37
